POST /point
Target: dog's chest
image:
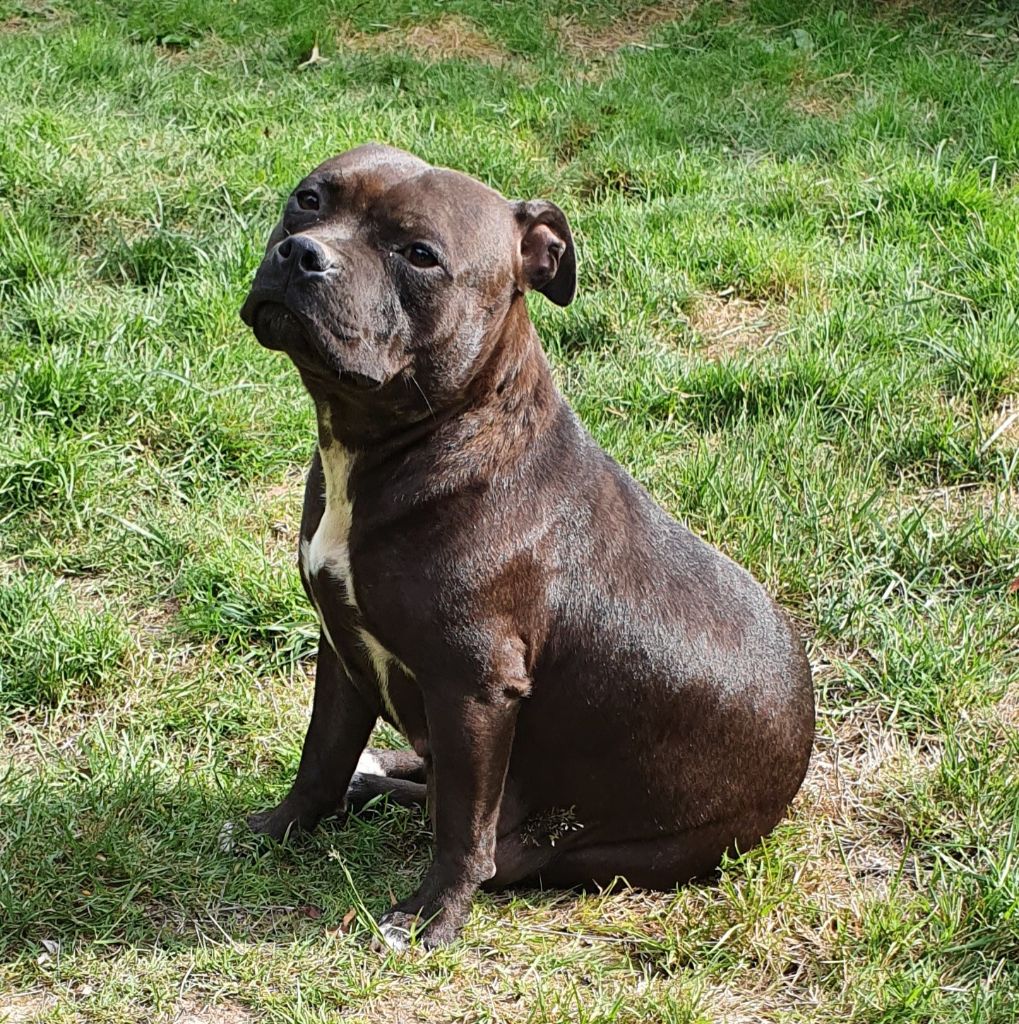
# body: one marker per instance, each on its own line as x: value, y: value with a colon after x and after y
x: 325, y: 563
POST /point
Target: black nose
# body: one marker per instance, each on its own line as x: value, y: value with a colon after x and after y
x: 304, y: 254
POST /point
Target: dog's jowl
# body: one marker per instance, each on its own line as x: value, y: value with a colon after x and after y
x: 588, y: 689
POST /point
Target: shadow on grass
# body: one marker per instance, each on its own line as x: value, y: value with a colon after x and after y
x: 135, y: 853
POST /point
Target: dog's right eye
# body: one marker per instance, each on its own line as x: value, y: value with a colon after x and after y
x: 418, y: 255
x: 307, y: 200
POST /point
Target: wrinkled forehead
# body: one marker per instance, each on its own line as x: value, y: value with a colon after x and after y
x: 370, y: 169
x: 407, y: 193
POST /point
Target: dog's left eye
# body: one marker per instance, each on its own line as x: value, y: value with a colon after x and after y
x: 307, y: 200
x: 418, y: 255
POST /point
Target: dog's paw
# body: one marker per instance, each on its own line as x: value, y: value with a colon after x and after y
x: 282, y: 821
x: 399, y: 930
x: 395, y: 932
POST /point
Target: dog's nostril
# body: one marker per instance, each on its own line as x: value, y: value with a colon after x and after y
x: 313, y: 261
x: 309, y: 256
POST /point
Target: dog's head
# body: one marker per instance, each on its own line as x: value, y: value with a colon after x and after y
x: 384, y: 268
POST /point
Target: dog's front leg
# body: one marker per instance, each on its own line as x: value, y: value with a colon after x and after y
x: 341, y: 721
x: 469, y: 736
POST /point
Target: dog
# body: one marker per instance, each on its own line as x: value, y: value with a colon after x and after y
x: 590, y: 691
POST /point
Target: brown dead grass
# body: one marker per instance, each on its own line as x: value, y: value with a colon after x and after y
x: 815, y: 99
x: 631, y: 29
x: 815, y: 103
x: 276, y: 513
x: 1007, y: 709
x: 727, y: 325
x: 1002, y: 428
x: 450, y: 37
x: 191, y: 1011
x: 964, y: 501
x: 416, y: 1004
x: 35, y: 15
x: 849, y: 852
x: 24, y: 1007
x: 87, y: 592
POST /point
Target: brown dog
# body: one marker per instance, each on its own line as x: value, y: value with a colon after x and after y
x: 590, y: 690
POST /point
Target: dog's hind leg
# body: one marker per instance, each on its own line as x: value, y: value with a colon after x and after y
x: 392, y: 764
x: 659, y: 862
x: 365, y: 788
x: 398, y: 775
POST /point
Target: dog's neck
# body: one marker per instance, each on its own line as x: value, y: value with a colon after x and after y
x: 511, y: 401
x: 508, y: 403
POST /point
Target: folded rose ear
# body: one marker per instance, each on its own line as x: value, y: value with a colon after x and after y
x: 548, y: 259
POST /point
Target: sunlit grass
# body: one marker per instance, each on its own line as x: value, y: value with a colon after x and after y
x: 797, y: 325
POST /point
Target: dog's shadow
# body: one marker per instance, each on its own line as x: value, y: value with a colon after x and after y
x: 148, y: 859
x: 137, y: 859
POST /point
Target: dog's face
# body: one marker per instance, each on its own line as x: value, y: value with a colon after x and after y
x: 384, y: 268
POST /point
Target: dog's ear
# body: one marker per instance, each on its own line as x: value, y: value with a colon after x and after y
x: 548, y: 259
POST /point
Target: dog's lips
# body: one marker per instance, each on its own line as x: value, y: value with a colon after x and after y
x: 277, y: 326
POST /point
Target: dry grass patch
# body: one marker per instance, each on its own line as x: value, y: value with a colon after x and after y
x: 815, y: 102
x: 848, y: 856
x: 449, y: 38
x: 25, y: 1007
x: 727, y: 325
x: 845, y: 796
x: 276, y: 516
x: 1002, y: 429
x: 468, y: 999
x: 962, y: 501
x: 191, y: 1011
x: 33, y: 15
x: 631, y: 29
x: 1006, y: 711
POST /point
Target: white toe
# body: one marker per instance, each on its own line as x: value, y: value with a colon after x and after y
x: 227, y: 843
x: 395, y: 937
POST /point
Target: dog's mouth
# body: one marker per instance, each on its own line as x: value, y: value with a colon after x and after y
x: 278, y: 327
x: 274, y: 325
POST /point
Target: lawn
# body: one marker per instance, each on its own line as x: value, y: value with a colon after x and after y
x: 797, y: 324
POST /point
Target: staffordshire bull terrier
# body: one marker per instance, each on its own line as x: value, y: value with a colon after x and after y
x: 589, y: 690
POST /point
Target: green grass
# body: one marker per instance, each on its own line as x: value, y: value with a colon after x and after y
x: 797, y: 324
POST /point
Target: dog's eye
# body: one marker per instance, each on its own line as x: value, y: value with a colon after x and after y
x: 418, y: 255
x: 307, y: 200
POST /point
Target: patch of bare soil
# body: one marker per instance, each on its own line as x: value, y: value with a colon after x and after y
x: 631, y: 29
x: 1002, y: 428
x: 190, y: 1011
x: 1007, y: 709
x: 728, y: 325
x: 814, y: 102
x: 32, y: 14
x: 25, y: 1007
x: 447, y: 38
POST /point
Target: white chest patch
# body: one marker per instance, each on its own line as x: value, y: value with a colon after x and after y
x: 329, y: 551
x: 329, y: 546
